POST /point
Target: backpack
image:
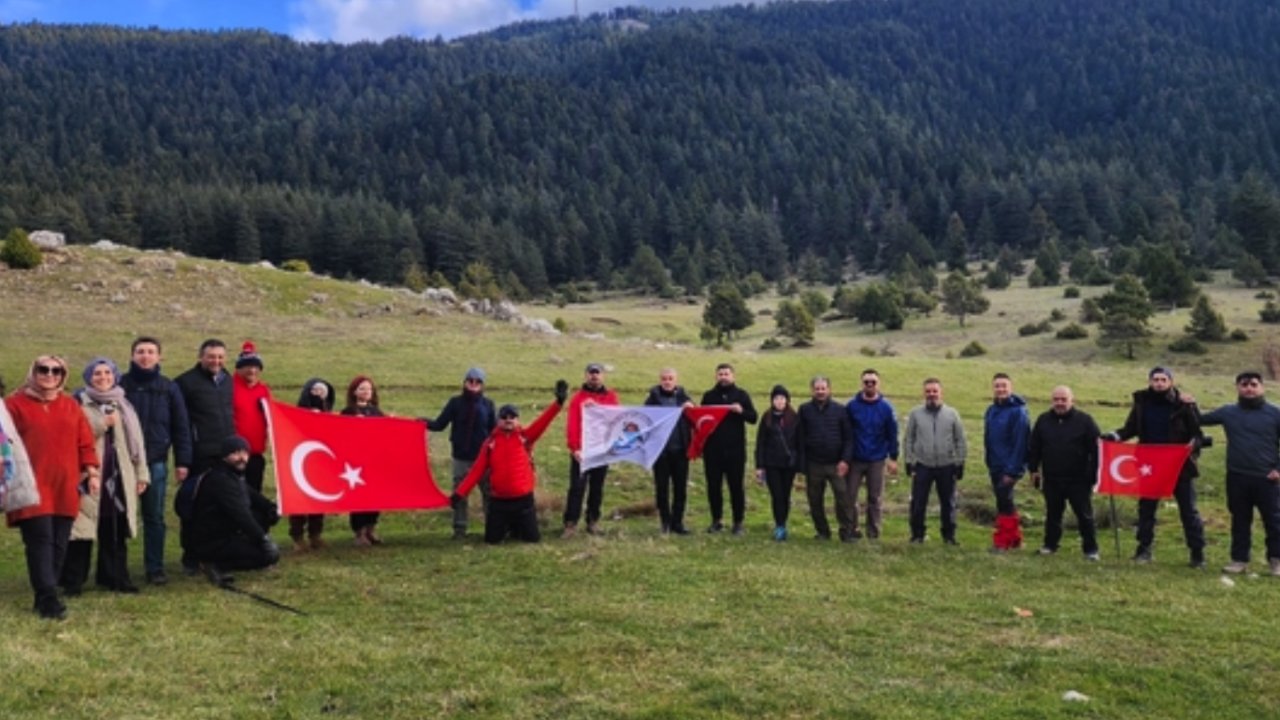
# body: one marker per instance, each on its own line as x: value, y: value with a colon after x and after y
x: 184, y: 501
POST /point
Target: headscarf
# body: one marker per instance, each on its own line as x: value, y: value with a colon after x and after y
x: 115, y: 398
x: 34, y: 391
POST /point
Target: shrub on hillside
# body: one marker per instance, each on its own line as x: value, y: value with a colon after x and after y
x: 1238, y: 335
x: 770, y: 344
x: 973, y: 349
x: 19, y: 252
x: 1072, y: 332
x: 1188, y: 344
x: 1035, y: 328
x: 1057, y: 315
x: 1070, y: 292
x: 1265, y: 295
x: 1270, y: 313
x: 296, y: 265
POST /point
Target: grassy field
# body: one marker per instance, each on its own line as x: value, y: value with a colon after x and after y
x: 635, y: 624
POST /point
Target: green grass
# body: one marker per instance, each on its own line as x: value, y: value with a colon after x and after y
x: 636, y: 625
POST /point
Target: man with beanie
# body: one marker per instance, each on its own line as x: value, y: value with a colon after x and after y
x: 591, y: 482
x: 250, y: 418
x: 826, y: 449
x: 1253, y: 469
x: 1161, y: 414
x: 506, y: 456
x: 875, y: 451
x: 472, y: 418
x: 935, y: 450
x: 1006, y: 428
x: 229, y: 520
x: 206, y: 391
x: 671, y: 469
x: 162, y: 413
x: 1062, y: 454
x: 724, y: 456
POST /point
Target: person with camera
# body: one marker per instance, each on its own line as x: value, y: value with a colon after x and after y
x: 1162, y: 414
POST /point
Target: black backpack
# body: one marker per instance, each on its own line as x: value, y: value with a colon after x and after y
x: 184, y: 501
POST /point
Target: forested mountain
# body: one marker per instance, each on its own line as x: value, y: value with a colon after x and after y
x: 727, y: 141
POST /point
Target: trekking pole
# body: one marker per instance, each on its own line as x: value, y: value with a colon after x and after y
x: 262, y: 599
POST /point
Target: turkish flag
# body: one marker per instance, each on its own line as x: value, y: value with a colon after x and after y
x: 704, y: 421
x: 328, y: 463
x: 1144, y: 470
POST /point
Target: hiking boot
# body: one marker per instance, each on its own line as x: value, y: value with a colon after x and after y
x: 372, y: 533
x: 1235, y: 567
x: 1197, y: 559
x: 680, y: 530
x: 1275, y: 566
x: 738, y: 530
x: 362, y: 540
x: 459, y: 533
x: 594, y: 529
x: 570, y: 529
x: 52, y: 609
x: 665, y: 529
x: 216, y: 576
x: 157, y: 578
x: 822, y: 536
x: 317, y: 542
x: 1046, y: 550
x: 950, y: 541
x: 716, y: 527
x: 1143, y: 555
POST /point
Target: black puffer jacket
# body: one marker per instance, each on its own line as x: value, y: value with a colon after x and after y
x: 777, y: 440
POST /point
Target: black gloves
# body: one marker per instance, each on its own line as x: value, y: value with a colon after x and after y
x: 562, y: 391
x: 455, y: 500
x: 960, y: 472
x: 911, y: 470
x: 271, y: 550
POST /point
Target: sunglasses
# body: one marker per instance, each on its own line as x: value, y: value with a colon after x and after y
x: 55, y: 370
x: 870, y: 382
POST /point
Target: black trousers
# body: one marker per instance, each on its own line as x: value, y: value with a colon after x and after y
x: 511, y: 517
x: 45, y: 539
x: 237, y: 552
x: 1192, y: 527
x: 721, y: 471
x: 590, y: 484
x: 924, y: 480
x: 113, y: 560
x: 1057, y: 494
x: 779, y: 481
x: 1244, y: 494
x: 360, y: 521
x: 255, y: 471
x: 671, y: 487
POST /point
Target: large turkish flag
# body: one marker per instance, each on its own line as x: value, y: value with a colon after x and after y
x: 1144, y: 471
x: 328, y: 463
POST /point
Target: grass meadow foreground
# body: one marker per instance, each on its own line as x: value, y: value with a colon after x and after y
x: 633, y: 624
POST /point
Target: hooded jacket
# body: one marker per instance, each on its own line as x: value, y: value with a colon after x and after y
x: 1184, y: 424
x: 470, y: 417
x: 1005, y: 430
x: 875, y: 428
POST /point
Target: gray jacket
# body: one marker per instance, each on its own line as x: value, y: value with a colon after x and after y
x: 935, y: 438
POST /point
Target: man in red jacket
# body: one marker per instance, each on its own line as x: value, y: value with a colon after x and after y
x: 507, y: 455
x: 590, y: 483
x: 248, y: 392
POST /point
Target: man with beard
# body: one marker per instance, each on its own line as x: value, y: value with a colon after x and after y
x: 875, y: 451
x: 935, y: 450
x: 472, y: 418
x: 1062, y: 455
x: 671, y: 470
x: 826, y: 448
x: 228, y: 520
x: 725, y: 454
x: 591, y: 482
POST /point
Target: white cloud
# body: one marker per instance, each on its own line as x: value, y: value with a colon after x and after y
x: 355, y: 20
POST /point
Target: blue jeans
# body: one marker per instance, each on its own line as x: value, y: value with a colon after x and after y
x: 152, y: 503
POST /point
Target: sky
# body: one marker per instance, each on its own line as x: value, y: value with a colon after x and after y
x: 342, y: 21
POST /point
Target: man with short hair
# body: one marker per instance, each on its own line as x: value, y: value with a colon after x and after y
x: 229, y: 519
x: 1006, y: 428
x: 162, y: 415
x: 1063, y: 458
x: 206, y: 391
x: 875, y: 452
x: 472, y: 418
x: 591, y: 482
x: 671, y: 469
x: 724, y: 455
x: 1162, y: 414
x: 826, y: 449
x: 1253, y: 469
x: 935, y: 450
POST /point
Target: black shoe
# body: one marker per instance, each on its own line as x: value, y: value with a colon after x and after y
x: 716, y: 527
x: 738, y: 530
x: 72, y: 590
x: 950, y: 541
x: 680, y: 530
x: 126, y: 588
x: 822, y: 536
x: 190, y: 569
x: 1142, y: 555
x: 216, y: 576
x: 917, y: 540
x: 157, y: 578
x: 459, y: 533
x: 52, y: 610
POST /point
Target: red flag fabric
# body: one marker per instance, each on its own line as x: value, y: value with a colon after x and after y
x: 1145, y: 471
x: 341, y: 463
x: 704, y: 421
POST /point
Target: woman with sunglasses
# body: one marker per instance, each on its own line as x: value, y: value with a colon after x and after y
x: 111, y: 517
x: 60, y: 444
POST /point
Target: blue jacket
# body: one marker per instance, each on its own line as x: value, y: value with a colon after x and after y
x: 162, y: 413
x: 875, y: 429
x: 472, y: 418
x: 1006, y: 428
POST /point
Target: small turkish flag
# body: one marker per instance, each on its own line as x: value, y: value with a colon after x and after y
x: 704, y: 421
x: 1144, y: 470
x: 341, y: 463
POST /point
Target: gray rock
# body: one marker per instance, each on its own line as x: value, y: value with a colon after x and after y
x: 541, y: 326
x: 119, y: 299
x: 318, y: 298
x: 266, y: 264
x: 48, y: 239
x: 105, y: 244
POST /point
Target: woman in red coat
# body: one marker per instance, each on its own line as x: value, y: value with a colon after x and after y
x: 60, y: 444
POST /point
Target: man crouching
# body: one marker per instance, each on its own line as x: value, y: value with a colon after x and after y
x: 229, y: 519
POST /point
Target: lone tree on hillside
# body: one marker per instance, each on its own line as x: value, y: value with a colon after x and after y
x: 1206, y: 323
x: 795, y: 321
x: 1126, y: 311
x: 19, y: 252
x: 726, y: 312
x: 962, y: 297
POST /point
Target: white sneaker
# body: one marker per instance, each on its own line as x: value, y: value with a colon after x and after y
x: 1235, y: 567
x: 1092, y: 557
x: 1046, y: 551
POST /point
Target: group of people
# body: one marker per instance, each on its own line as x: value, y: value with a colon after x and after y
x: 82, y: 467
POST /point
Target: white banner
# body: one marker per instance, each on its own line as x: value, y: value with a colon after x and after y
x: 625, y: 433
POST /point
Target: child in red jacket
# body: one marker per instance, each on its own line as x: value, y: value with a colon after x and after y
x: 507, y: 456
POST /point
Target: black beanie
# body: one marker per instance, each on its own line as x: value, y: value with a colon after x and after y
x: 779, y: 390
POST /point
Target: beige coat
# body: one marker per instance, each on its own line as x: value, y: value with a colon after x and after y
x: 133, y: 473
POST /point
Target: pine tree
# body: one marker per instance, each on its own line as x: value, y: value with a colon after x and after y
x: 1206, y: 323
x: 1126, y: 311
x: 962, y: 297
x: 795, y: 321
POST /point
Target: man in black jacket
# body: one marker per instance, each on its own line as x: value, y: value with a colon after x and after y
x: 472, y: 418
x: 162, y: 413
x: 1161, y: 414
x: 671, y: 470
x: 826, y: 449
x: 229, y: 520
x: 725, y: 454
x: 1063, y: 459
x: 206, y: 390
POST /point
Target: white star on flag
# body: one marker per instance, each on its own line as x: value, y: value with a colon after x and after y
x: 352, y: 475
x: 1145, y: 470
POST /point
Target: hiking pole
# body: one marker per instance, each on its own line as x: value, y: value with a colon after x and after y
x: 262, y: 599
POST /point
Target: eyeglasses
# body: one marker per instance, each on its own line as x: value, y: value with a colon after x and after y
x: 55, y: 370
